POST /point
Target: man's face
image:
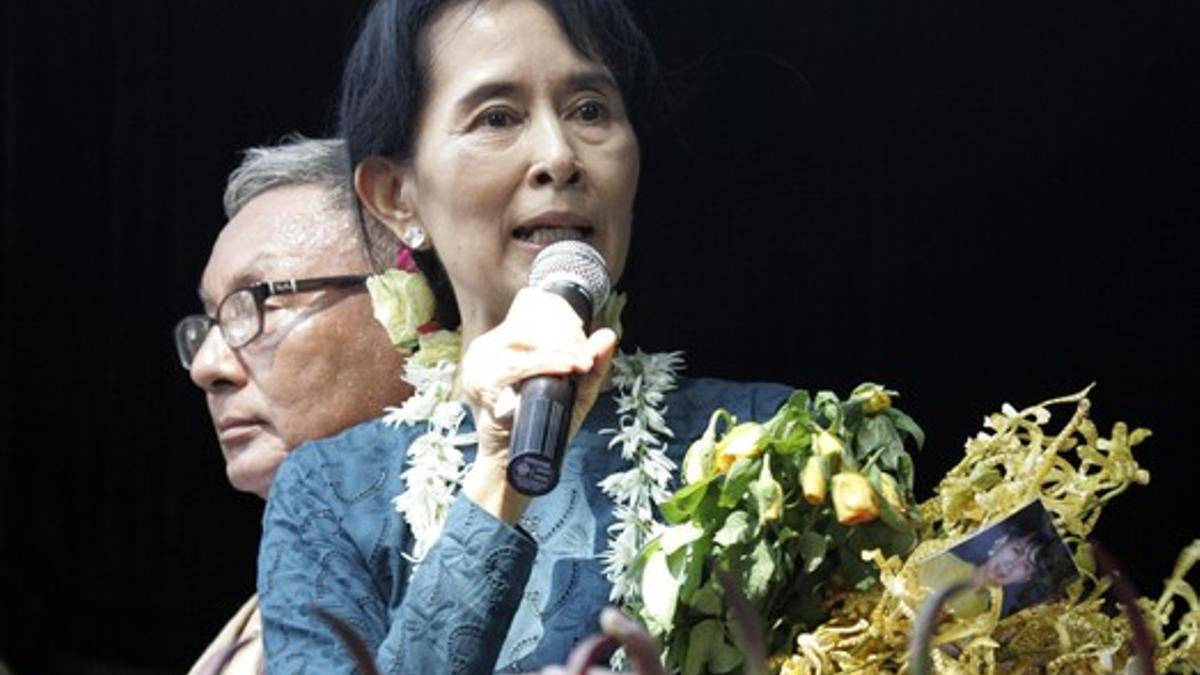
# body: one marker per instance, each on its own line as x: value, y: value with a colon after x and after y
x: 321, y: 364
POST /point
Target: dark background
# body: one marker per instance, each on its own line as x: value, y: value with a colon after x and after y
x: 971, y: 202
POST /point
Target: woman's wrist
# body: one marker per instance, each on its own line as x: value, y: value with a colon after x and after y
x: 486, y: 484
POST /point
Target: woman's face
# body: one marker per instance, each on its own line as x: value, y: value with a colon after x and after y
x: 522, y: 141
x: 1013, y: 562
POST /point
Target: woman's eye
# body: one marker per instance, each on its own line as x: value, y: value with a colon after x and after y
x: 498, y: 119
x: 591, y: 111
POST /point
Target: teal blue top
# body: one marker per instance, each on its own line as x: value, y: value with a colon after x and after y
x: 489, y: 596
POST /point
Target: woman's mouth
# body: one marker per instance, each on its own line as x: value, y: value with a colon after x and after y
x: 544, y: 235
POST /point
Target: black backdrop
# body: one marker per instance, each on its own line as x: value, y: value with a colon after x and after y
x: 971, y: 202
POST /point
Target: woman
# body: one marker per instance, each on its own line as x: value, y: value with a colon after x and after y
x: 481, y: 131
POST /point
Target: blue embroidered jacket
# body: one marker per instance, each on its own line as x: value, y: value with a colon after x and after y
x: 488, y: 596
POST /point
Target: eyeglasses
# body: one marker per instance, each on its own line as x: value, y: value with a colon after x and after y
x: 240, y: 314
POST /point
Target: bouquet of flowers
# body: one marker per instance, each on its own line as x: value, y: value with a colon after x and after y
x: 811, y: 514
x: 788, y: 507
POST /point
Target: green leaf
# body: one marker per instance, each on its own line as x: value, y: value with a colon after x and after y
x: 740, y: 474
x: 678, y: 536
x: 762, y: 568
x: 768, y: 495
x: 798, y: 401
x: 709, y: 513
x: 878, y: 435
x: 702, y: 640
x: 812, y: 550
x: 708, y: 601
x: 725, y: 657
x: 735, y: 530
x: 907, y: 425
x: 660, y: 592
x: 905, y: 473
x: 789, y: 430
x: 684, y: 503
x: 852, y: 414
x: 693, y: 571
x: 828, y: 410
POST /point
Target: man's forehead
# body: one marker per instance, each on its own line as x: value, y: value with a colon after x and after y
x: 287, y: 232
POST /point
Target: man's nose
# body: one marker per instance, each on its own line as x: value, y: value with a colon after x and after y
x: 215, y: 364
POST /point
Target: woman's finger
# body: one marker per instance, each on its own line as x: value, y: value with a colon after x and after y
x: 602, y: 344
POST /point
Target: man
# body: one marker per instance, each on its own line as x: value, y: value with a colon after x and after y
x: 287, y: 349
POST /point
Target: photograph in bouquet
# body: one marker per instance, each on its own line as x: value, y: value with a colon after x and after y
x: 1015, y: 563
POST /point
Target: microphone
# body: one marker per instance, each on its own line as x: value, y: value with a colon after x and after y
x: 575, y: 272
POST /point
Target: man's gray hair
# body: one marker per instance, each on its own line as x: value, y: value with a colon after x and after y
x: 309, y: 161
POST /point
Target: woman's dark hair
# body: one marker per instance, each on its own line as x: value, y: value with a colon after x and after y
x: 385, y: 80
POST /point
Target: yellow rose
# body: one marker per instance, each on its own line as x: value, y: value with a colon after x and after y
x: 741, y: 441
x: 854, y: 499
x: 827, y: 444
x: 878, y: 402
x: 812, y: 480
x: 875, y: 399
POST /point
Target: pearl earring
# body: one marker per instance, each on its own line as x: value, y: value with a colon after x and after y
x: 413, y: 236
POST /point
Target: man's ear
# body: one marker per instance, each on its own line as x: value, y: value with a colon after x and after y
x: 387, y: 189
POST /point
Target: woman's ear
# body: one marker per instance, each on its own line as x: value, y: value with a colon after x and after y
x: 386, y: 188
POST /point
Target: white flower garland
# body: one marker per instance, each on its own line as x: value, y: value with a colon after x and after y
x: 435, y: 460
x: 642, y: 381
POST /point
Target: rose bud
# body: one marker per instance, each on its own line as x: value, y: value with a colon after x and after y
x: 854, y: 499
x: 741, y: 441
x: 828, y: 444
x: 812, y: 480
x: 875, y: 399
x: 880, y: 400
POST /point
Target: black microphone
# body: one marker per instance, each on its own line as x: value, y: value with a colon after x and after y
x: 575, y: 272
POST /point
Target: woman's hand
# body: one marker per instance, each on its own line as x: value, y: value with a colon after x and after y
x: 541, y: 335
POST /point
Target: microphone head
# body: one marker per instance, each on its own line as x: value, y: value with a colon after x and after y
x: 574, y: 262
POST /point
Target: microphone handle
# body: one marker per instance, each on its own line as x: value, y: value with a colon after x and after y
x: 540, y: 436
x: 543, y: 420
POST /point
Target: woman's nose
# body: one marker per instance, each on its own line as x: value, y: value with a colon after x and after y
x: 555, y: 162
x: 216, y: 365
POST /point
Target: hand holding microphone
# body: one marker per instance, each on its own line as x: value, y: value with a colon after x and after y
x: 576, y: 273
x: 543, y: 350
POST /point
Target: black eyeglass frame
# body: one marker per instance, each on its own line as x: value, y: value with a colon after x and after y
x: 260, y: 292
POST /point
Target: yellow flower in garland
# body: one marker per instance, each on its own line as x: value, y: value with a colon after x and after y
x: 437, y: 346
x: 854, y: 499
x: 402, y: 302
